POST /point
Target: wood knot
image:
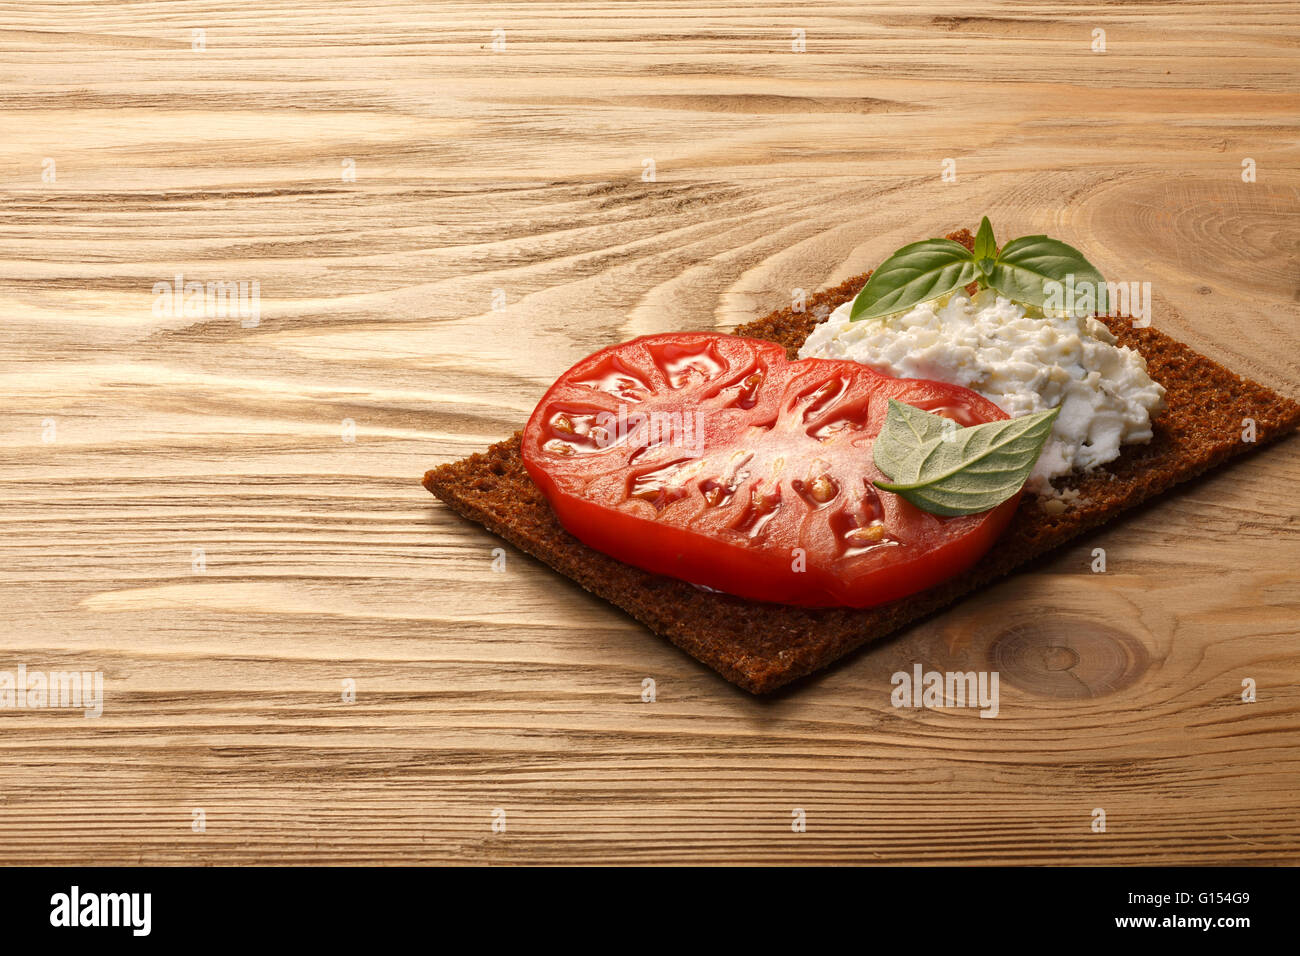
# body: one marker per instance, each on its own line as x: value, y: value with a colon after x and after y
x: 1067, y: 658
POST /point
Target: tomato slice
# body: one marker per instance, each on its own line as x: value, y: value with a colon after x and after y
x: 714, y: 459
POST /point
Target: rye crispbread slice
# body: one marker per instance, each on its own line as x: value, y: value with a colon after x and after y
x: 761, y: 646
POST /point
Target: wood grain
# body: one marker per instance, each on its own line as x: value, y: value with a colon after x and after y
x: 132, y: 438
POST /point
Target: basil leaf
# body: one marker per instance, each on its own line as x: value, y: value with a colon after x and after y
x: 1028, y: 266
x: 917, y: 272
x: 964, y: 472
x: 986, y: 249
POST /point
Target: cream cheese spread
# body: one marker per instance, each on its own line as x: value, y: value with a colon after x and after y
x: 1018, y: 358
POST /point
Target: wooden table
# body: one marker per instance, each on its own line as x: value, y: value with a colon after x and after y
x: 443, y: 206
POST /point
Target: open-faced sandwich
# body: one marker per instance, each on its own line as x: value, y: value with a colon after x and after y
x: 770, y: 500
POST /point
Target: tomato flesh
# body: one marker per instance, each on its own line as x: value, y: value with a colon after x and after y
x: 714, y: 459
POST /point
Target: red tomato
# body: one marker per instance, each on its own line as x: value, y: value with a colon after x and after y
x: 714, y: 459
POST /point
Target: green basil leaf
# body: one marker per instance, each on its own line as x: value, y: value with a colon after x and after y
x: 1045, y: 272
x: 915, y: 273
x: 907, y: 429
x: 986, y: 249
x: 958, y: 471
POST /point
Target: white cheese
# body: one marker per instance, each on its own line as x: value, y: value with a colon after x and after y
x: 1022, y: 361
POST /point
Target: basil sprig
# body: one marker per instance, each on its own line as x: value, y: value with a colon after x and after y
x: 947, y: 470
x: 1032, y: 270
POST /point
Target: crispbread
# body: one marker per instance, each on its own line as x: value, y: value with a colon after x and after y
x: 763, y: 646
